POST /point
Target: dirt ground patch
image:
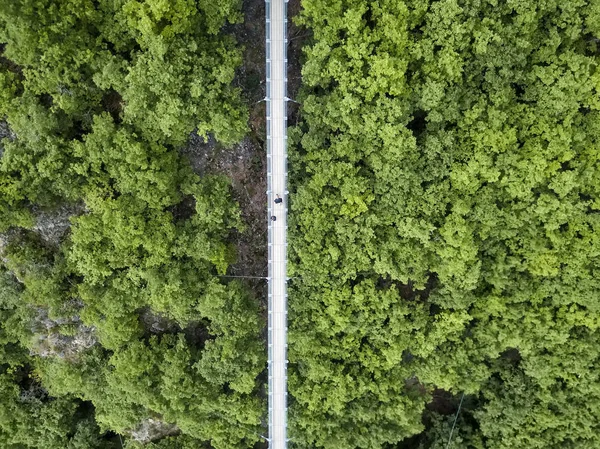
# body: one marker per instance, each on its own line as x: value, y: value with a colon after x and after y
x: 251, y: 76
x: 297, y: 38
x: 245, y: 163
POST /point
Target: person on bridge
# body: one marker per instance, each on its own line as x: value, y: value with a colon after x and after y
x: 278, y: 200
x: 273, y: 218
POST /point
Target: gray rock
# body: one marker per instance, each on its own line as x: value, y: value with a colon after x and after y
x: 155, y: 323
x: 3, y: 243
x: 52, y: 225
x: 5, y: 132
x: 152, y: 429
x: 50, y: 342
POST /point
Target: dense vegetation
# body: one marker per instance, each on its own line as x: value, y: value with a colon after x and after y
x: 445, y: 213
x: 112, y: 316
x: 446, y: 223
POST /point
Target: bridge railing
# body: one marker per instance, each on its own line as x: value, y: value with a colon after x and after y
x: 271, y: 209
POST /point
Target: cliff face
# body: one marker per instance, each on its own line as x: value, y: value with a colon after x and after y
x: 52, y: 225
x: 60, y: 337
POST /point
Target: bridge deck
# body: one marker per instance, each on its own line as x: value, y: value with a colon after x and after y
x: 276, y: 26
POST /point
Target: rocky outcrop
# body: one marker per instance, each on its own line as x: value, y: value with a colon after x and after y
x: 5, y: 132
x: 52, y: 225
x: 157, y: 324
x: 153, y: 429
x: 51, y: 340
x: 3, y: 243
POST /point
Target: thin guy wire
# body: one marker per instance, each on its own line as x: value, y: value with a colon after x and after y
x: 295, y: 277
x: 244, y: 277
x: 455, y: 419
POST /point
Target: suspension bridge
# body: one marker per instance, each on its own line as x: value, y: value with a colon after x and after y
x: 276, y: 99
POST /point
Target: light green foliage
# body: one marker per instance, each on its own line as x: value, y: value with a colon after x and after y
x: 170, y: 66
x: 176, y: 88
x: 98, y: 98
x: 358, y: 375
x: 181, y: 80
x: 114, y: 160
x: 55, y: 43
x: 32, y: 168
x: 449, y: 153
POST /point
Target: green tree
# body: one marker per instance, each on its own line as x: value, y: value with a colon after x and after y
x: 448, y: 153
x: 99, y: 97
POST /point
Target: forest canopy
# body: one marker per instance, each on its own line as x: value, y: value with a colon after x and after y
x: 445, y: 240
x: 444, y: 204
x: 115, y: 325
